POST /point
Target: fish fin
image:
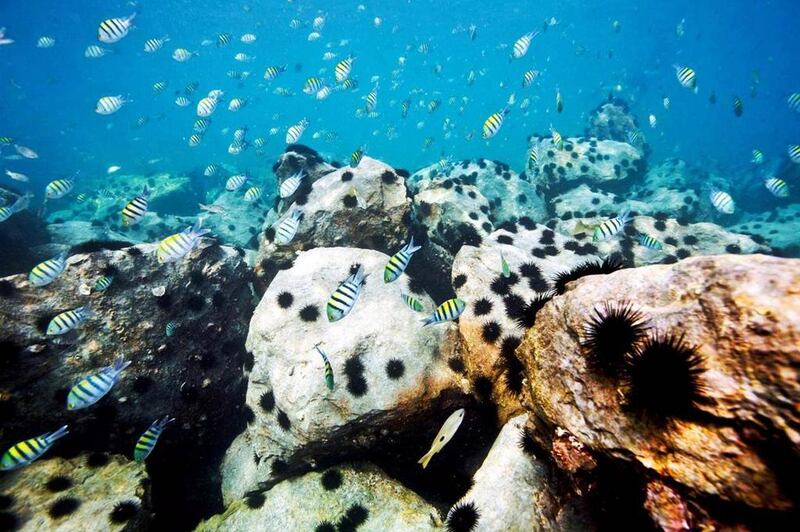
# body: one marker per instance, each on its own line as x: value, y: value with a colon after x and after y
x: 427, y: 321
x: 410, y: 247
x: 56, y: 434
x: 120, y: 364
x: 426, y: 458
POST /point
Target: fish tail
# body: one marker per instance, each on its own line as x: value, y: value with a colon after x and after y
x: 625, y: 217
x: 410, y: 247
x: 427, y: 321
x: 426, y: 458
x: 120, y: 364
x: 60, y: 433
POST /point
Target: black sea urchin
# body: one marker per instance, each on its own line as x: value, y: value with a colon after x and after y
x: 463, y: 517
x: 124, y: 511
x: 527, y: 316
x: 513, y: 370
x: 610, y: 333
x: 662, y: 377
x: 608, y: 265
x: 63, y: 506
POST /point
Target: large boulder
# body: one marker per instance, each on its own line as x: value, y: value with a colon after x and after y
x: 611, y: 120
x: 671, y: 187
x: 779, y: 228
x: 299, y: 158
x: 183, y: 373
x: 76, y: 494
x: 19, y: 236
x: 723, y: 434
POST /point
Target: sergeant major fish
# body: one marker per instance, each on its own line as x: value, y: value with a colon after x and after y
x: 66, y: 321
x: 25, y: 452
x: 328, y: 368
x: 175, y: 247
x: 399, y: 262
x: 447, y: 311
x: 287, y: 228
x: 147, y: 441
x: 95, y: 386
x: 344, y: 298
x: 135, y: 210
x: 46, y: 272
x: 611, y: 227
x: 114, y: 29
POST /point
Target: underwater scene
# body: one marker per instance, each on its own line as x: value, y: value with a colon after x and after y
x: 412, y: 265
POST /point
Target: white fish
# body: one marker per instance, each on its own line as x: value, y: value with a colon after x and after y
x: 444, y: 435
x: 244, y: 58
x: 114, y: 29
x: 248, y: 38
x: 235, y: 182
x: 652, y: 120
x: 522, y: 44
x: 45, y: 42
x: 323, y: 93
x: 319, y: 22
x: 181, y: 55
x: 236, y: 103
x: 155, y: 44
x: 3, y: 39
x: 294, y: 133
x: 26, y: 152
x: 110, y: 104
x: 313, y: 36
x: 112, y: 169
x: 722, y: 201
x: 182, y: 101
x: 206, y: 106
x: 94, y: 52
x: 16, y: 176
x: 291, y: 184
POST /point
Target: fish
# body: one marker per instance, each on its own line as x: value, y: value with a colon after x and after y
x: 211, y: 170
x: 738, y: 106
x: 45, y: 42
x: 113, y: 30
x: 243, y: 58
x: 371, y: 99
x: 433, y: 105
x: 665, y: 102
x: 722, y: 201
x: 447, y: 311
x: 59, y: 188
x: 147, y: 441
x: 3, y: 39
x: 206, y: 107
x: 649, y: 242
x: 404, y: 108
x: 181, y: 55
x: 248, y: 38
x: 110, y: 104
x: 294, y: 132
x: 533, y: 157
x: 159, y: 86
x: 777, y: 187
x: 102, y: 284
x: 288, y: 228
x: 356, y: 156
x: 182, y: 101
x: 559, y: 101
x: 25, y: 452
x: 528, y: 78
x: 504, y: 266
x: 155, y: 44
x: 95, y: 52
x: 170, y: 328
x: 611, y: 226
x: 66, y: 321
x: 195, y: 139
x: 236, y: 103
x: 344, y: 298
x: 20, y: 204
x: 635, y: 137
x: 652, y: 120
x: 312, y: 85
x: 522, y: 44
x: 493, y: 123
x: 175, y: 247
x: 473, y: 32
x: 136, y: 208
x: 687, y: 77
x: 794, y: 153
x: 46, y: 272
x: 113, y: 169
x: 712, y: 98
x: 794, y: 101
x: 95, y: 386
x: 398, y: 262
x: 323, y: 93
x: 343, y: 69
x: 223, y: 39
x: 445, y: 434
x: 313, y: 36
x: 558, y: 140
x: 758, y: 156
x: 235, y: 182
x: 412, y: 303
x: 328, y: 368
x: 252, y: 194
x: 213, y: 209
x: 16, y: 176
x: 273, y: 72
x: 291, y: 184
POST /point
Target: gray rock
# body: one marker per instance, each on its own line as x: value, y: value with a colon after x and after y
x: 611, y: 120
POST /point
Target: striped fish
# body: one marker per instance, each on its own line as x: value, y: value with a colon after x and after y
x: 108, y: 105
x: 236, y: 103
x: 794, y: 153
x: 235, y: 182
x: 176, y: 246
x: 611, y: 227
x: 7, y: 212
x: 59, y: 188
x: 312, y: 85
x: 148, y: 440
x: 181, y: 55
x: 252, y: 194
x: 114, y: 29
x: 294, y: 133
x: 777, y: 187
x: 345, y: 296
x: 211, y: 170
x: 287, y: 228
x: 170, y: 328
x: 738, y: 106
x: 404, y: 108
x: 136, y: 208
x: 273, y: 72
x: 504, y: 266
x: 95, y: 52
x: 433, y: 105
x: 194, y: 140
x: 328, y: 368
x: 182, y: 101
x: 159, y: 86
x: 558, y: 140
x: 343, y: 68
x: 323, y: 93
x: 46, y: 272
x: 522, y: 44
x: 493, y: 124
x: 154, y: 45
x: 447, y: 311
x: 722, y: 201
x: 371, y: 99
x: 794, y: 101
x: 206, y: 106
x: 533, y: 157
x: 68, y: 320
x: 412, y: 303
x: 45, y: 42
x: 758, y: 157
x: 686, y: 77
x: 356, y: 156
x: 529, y: 77
x: 559, y: 101
x: 399, y: 262
x: 223, y: 39
x: 649, y: 242
x: 291, y: 184
x: 94, y: 387
x: 25, y: 452
x: 103, y: 283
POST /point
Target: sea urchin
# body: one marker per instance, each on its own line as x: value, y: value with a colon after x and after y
x: 463, y: 517
x: 610, y: 333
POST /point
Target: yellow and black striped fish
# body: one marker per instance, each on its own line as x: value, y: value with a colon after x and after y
x: 103, y: 283
x: 294, y: 132
x: 273, y: 72
x: 399, y: 262
x: 794, y: 101
x: 611, y: 227
x: 312, y: 85
x: 493, y: 124
x: 147, y: 441
x: 159, y: 86
x: 356, y: 156
x: 7, y: 211
x: 522, y: 44
x: 722, y: 201
x: 558, y: 140
x: 738, y: 106
x: 533, y: 157
x: 649, y: 242
x: 46, y: 272
x: 686, y: 77
x: 136, y: 208
x: 412, y: 303
x: 94, y: 387
x: 114, y: 29
x: 59, y: 188
x: 25, y: 452
x: 777, y: 187
x: 758, y: 156
x: 372, y: 99
x: 433, y: 105
x: 343, y: 68
x: 223, y: 39
x: 176, y: 246
x: 345, y: 296
x: 447, y: 311
x: 252, y: 194
x: 328, y: 368
x: 529, y: 77
x: 68, y: 320
x: 794, y: 153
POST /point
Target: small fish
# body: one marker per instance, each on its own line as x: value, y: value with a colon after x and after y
x: 777, y: 187
x: 252, y: 194
x: 114, y: 29
x: 558, y: 140
x: 738, y: 106
x: 195, y: 139
x: 95, y: 386
x: 45, y: 42
x: 722, y: 201
x: 522, y: 44
x: 25, y: 151
x: 206, y: 106
x: 68, y: 320
x: 59, y: 188
x: 533, y: 157
x: 273, y: 72
x: 46, y: 272
x: 312, y: 85
x: 666, y: 102
x: 181, y: 55
x: 635, y: 137
x: 758, y: 156
x: 135, y: 210
x: 356, y: 156
x: 712, y: 98
x: 159, y: 86
x: 95, y: 52
x: 248, y: 38
x: 610, y: 227
x: 444, y: 435
x: 323, y: 93
x: 504, y: 267
x: 223, y: 39
x: 433, y: 105
x: 175, y: 247
x: 182, y: 101
x: 148, y: 440
x: 103, y: 283
x: 110, y: 104
x: 473, y: 32
x: 155, y: 44
x: 398, y: 263
x: 412, y: 303
x: 236, y: 103
x: 794, y: 153
x: 235, y: 182
x: 447, y: 311
x: 528, y: 78
x: 652, y: 120
x: 686, y: 77
x: 291, y: 184
x: 294, y: 133
x: 794, y: 101
x: 404, y: 108
x: 25, y: 452
x: 243, y: 58
x: 345, y: 296
x: 113, y: 169
x: 3, y: 39
x: 211, y: 170
x: 493, y: 123
x: 16, y: 176
x: 343, y: 69
x: 287, y: 228
x: 328, y: 368
x: 559, y: 101
x: 371, y: 99
x: 649, y: 242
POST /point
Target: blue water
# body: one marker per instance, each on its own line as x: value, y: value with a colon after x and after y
x: 48, y: 96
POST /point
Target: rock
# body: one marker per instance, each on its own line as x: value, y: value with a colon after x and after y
x: 78, y: 494
x: 671, y: 187
x: 19, y: 235
x: 495, y: 320
x: 608, y: 164
x: 298, y: 157
x: 513, y: 489
x: 241, y: 221
x: 350, y: 496
x: 585, y: 201
x: 779, y: 229
x: 389, y: 372
x: 611, y: 120
x: 731, y: 447
x: 206, y: 295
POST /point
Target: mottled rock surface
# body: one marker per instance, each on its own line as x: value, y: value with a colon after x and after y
x: 611, y: 120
